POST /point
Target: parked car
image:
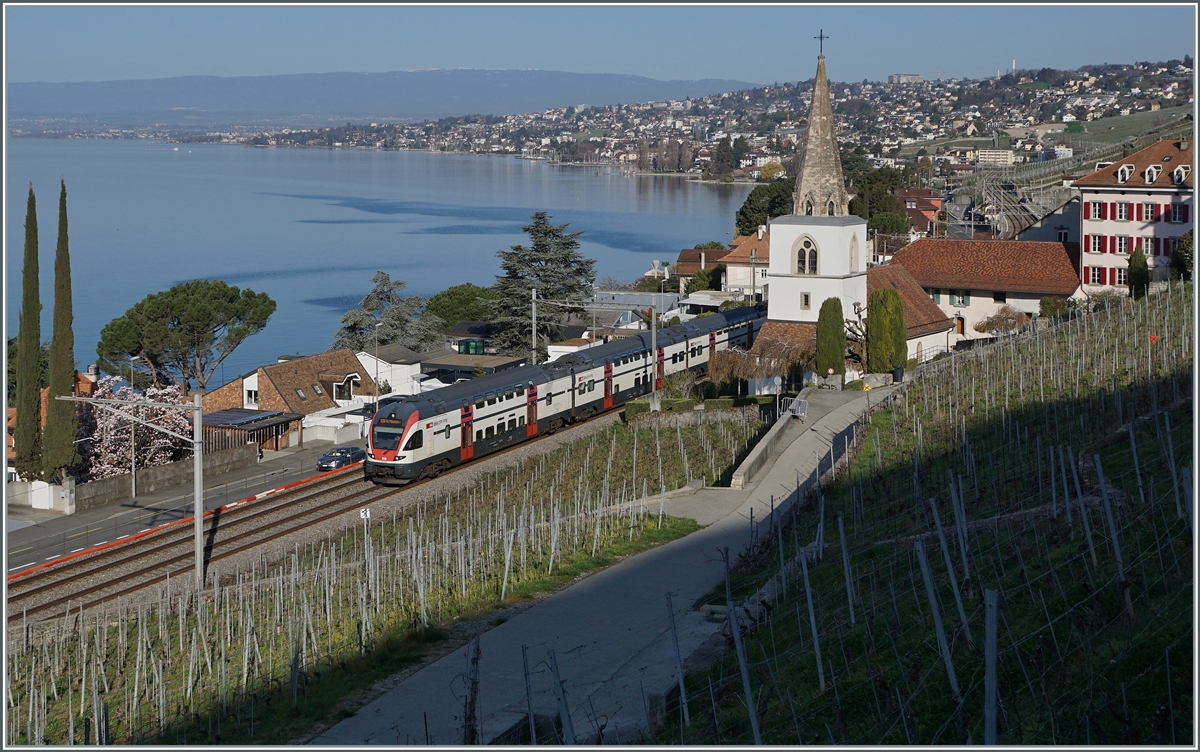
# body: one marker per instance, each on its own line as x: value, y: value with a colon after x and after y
x: 340, y: 457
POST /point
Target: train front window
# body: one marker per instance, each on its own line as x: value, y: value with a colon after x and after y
x: 416, y: 441
x: 386, y: 438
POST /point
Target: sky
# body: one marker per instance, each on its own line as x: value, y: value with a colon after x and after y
x: 757, y: 44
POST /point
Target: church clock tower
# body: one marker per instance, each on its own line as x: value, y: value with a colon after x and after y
x: 820, y: 250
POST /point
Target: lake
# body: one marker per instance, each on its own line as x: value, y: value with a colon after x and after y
x: 311, y: 226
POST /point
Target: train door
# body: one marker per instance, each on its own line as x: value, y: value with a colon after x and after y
x: 531, y: 411
x: 712, y: 344
x: 659, y: 365
x: 466, y: 441
x: 608, y: 386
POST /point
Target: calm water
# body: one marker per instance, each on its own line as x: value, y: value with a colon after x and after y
x: 310, y: 227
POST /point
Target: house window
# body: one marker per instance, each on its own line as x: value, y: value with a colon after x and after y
x: 1124, y: 172
x: 1122, y: 244
x: 1147, y: 212
x: 1181, y: 174
x: 343, y: 391
x: 252, y: 396
x: 999, y: 297
x: 1152, y: 173
x: 318, y: 391
x: 1095, y: 244
x: 805, y: 301
x: 1095, y: 275
x: 1173, y: 245
x: 960, y: 298
x: 1122, y: 275
x: 1093, y: 210
x: 1062, y: 236
x: 1176, y: 213
x: 1123, y: 210
x: 300, y: 392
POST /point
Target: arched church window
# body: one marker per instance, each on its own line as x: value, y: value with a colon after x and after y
x: 812, y: 261
x: 808, y: 208
x: 806, y: 257
x: 831, y: 208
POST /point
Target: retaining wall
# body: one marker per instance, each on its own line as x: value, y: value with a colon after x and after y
x: 151, y: 479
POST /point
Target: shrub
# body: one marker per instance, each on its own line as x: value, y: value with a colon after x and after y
x: 1139, y: 274
x: 636, y: 407
x: 1051, y: 307
x: 854, y: 386
x: 718, y: 403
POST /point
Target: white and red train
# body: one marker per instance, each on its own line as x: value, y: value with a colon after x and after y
x: 419, y: 436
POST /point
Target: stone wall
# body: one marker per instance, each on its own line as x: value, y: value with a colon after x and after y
x: 151, y: 479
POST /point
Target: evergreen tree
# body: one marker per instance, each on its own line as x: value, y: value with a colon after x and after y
x: 699, y: 281
x: 552, y: 265
x: 886, y: 343
x: 899, y: 330
x: 1139, y: 274
x: 27, y: 436
x: 1181, y: 258
x: 831, y: 338
x: 61, y: 421
x: 405, y: 321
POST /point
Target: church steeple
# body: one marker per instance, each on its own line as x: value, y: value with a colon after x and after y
x: 820, y: 187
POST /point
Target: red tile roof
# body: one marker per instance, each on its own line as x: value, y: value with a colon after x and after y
x: 921, y: 315
x: 688, y: 262
x: 743, y: 244
x: 1000, y: 265
x: 1166, y: 154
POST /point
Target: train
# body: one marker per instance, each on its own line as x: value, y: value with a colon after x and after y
x: 422, y: 435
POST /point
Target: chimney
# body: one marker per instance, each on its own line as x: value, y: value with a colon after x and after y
x: 701, y: 259
x: 1183, y: 145
x: 761, y: 230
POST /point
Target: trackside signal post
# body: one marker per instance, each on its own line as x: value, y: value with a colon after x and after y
x: 197, y: 442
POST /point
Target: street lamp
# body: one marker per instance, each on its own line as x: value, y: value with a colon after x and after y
x: 377, y: 325
x: 132, y: 437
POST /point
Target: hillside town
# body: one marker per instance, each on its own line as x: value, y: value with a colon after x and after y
x: 741, y: 132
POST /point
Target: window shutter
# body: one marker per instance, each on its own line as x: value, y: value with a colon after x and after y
x: 1158, y: 244
x: 1139, y: 212
x: 1105, y: 244
x: 937, y: 295
x: 1184, y: 209
x: 1103, y: 210
x: 1158, y: 213
x: 1112, y: 210
x: 966, y: 297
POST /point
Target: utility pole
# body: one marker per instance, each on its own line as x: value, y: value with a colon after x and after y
x: 132, y: 438
x: 533, y: 330
x: 197, y: 441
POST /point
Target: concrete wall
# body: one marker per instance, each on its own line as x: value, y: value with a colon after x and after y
x: 150, y: 479
x: 760, y: 453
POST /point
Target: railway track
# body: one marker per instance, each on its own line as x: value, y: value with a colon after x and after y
x: 116, y: 571
x: 125, y: 567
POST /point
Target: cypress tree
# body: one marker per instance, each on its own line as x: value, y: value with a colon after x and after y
x: 1139, y: 274
x: 61, y: 421
x: 27, y: 436
x: 880, y: 341
x: 831, y: 338
x: 899, y: 330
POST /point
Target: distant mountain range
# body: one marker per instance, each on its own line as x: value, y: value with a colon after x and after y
x: 325, y: 97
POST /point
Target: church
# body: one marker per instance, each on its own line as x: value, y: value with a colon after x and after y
x: 819, y: 251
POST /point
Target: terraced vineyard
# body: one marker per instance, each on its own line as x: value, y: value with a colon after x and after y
x: 1050, y: 473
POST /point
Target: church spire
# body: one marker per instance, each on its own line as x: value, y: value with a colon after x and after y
x: 820, y: 187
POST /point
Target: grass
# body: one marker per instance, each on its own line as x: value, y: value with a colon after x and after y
x: 1112, y: 129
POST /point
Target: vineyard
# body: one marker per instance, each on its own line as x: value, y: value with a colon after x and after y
x: 263, y: 655
x: 1007, y: 557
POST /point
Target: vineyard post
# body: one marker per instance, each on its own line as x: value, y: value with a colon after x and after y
x: 846, y: 567
x: 1112, y: 527
x: 1136, y: 468
x: 678, y: 662
x: 736, y: 630
x: 812, y: 619
x: 563, y: 711
x: 989, y: 661
x: 962, y: 614
x: 528, y: 701
x: 937, y: 621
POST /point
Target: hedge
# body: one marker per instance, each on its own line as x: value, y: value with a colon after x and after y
x: 669, y: 405
x: 854, y: 386
x: 718, y: 403
x: 636, y: 407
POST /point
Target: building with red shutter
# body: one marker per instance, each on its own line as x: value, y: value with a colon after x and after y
x: 1142, y: 201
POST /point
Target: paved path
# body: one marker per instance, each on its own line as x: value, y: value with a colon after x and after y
x: 35, y: 535
x: 609, y: 632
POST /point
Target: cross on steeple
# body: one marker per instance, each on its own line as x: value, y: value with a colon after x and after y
x: 821, y: 38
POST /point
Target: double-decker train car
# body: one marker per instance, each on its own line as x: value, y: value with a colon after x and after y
x: 421, y: 435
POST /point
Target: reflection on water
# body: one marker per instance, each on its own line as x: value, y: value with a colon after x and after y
x: 311, y: 226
